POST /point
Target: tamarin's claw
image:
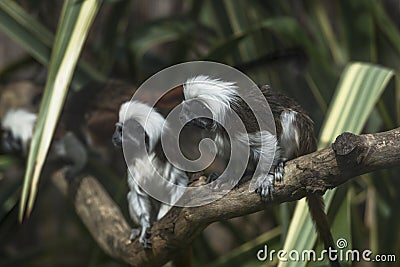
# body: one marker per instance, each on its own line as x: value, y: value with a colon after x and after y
x: 265, y: 186
x: 279, y: 171
x: 146, y: 243
x: 145, y: 239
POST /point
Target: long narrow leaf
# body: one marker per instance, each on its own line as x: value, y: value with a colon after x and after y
x: 359, y: 88
x: 33, y: 45
x: 249, y: 248
x: 36, y: 39
x: 338, y: 53
x: 73, y: 28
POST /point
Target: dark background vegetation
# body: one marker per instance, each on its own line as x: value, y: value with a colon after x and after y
x: 298, y: 47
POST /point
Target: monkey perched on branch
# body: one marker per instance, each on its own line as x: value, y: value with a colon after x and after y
x: 143, y: 126
x: 294, y: 134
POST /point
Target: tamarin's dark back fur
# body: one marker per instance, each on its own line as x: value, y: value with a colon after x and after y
x: 279, y: 103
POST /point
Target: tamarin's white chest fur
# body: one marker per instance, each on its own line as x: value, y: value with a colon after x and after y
x: 149, y: 172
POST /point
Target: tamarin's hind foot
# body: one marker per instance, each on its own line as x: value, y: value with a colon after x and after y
x: 144, y: 238
x: 279, y: 171
x: 146, y: 243
x: 265, y: 185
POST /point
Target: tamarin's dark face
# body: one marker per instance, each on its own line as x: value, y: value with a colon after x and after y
x: 9, y: 143
x: 196, y: 113
x: 117, y: 136
x: 135, y: 134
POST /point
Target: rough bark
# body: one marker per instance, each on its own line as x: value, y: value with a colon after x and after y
x: 349, y: 156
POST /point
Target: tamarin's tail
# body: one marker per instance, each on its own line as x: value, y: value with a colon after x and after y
x: 316, y: 207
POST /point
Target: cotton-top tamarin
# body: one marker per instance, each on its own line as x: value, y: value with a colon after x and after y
x: 144, y: 126
x: 294, y: 133
x: 18, y: 114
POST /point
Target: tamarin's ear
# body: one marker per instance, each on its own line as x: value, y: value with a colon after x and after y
x: 172, y: 98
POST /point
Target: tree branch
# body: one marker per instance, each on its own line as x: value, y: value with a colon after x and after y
x: 350, y: 156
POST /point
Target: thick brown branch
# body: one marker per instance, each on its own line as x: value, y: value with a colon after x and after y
x: 350, y: 156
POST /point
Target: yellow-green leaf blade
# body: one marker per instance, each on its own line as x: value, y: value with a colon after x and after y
x: 74, y: 26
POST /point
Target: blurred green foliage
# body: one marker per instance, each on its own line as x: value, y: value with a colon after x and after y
x: 299, y: 47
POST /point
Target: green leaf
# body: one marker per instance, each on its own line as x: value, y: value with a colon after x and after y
x: 249, y: 249
x: 25, y: 31
x: 9, y: 195
x: 285, y: 28
x: 156, y: 33
x: 36, y: 39
x: 74, y: 25
x: 240, y: 23
x: 338, y: 53
x: 223, y: 49
x: 6, y: 161
x: 359, y: 89
x: 385, y: 24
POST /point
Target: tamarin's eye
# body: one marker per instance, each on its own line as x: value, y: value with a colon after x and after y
x: 146, y: 140
x: 3, y: 133
x: 6, y: 134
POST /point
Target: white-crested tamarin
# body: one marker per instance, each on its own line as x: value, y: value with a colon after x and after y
x: 294, y: 133
x: 143, y: 127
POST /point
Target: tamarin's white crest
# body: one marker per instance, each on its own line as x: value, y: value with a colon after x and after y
x: 144, y: 209
x: 17, y: 126
x: 151, y: 121
x: 216, y: 94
